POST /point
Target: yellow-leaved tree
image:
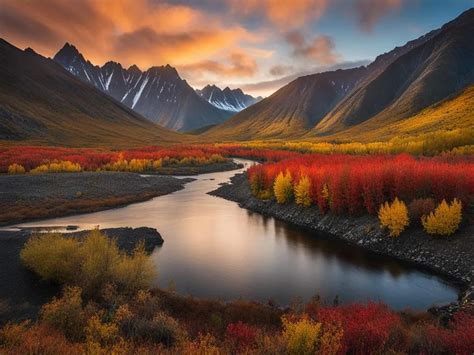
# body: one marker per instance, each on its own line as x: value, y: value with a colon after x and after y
x: 16, y: 169
x: 445, y: 219
x: 303, y: 191
x: 282, y: 188
x: 394, y: 216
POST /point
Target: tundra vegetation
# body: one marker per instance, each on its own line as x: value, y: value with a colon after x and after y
x: 107, y: 306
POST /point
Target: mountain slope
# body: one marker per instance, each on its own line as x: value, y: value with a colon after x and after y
x: 293, y: 109
x: 158, y: 93
x: 40, y: 102
x: 456, y: 112
x: 227, y: 99
x: 426, y: 74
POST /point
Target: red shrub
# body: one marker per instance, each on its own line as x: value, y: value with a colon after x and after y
x: 367, y: 328
x: 241, y: 335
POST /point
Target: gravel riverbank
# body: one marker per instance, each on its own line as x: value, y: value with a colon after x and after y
x: 29, y: 197
x: 452, y: 257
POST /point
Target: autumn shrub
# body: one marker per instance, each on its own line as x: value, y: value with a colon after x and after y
x: 241, y: 335
x: 161, y: 329
x: 303, y: 191
x: 66, y: 314
x: 367, y: 328
x: 360, y: 184
x: 90, y: 263
x: 52, y: 256
x: 445, y: 219
x: 301, y: 334
x: 57, y: 167
x: 283, y: 189
x: 24, y: 338
x: 394, y: 216
x: 16, y: 169
x: 100, y: 334
x: 331, y: 338
x: 135, y: 272
x: 420, y: 207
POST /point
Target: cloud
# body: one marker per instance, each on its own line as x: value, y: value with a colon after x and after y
x: 239, y: 64
x: 279, y: 70
x: 320, y: 48
x: 282, y: 13
x: 142, y: 32
x: 369, y: 12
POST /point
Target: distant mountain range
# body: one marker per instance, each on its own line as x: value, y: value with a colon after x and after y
x: 227, y: 99
x: 396, y: 86
x: 158, y: 93
x: 42, y: 103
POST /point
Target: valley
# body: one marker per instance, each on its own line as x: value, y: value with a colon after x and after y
x: 236, y: 178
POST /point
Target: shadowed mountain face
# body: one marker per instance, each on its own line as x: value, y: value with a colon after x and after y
x: 293, y: 109
x: 397, y: 85
x: 438, y: 67
x: 158, y: 93
x: 40, y: 102
x: 227, y: 99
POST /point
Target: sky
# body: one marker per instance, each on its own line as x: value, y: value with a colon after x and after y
x: 257, y: 45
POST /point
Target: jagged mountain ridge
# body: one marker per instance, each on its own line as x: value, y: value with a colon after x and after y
x: 40, y: 102
x: 158, y: 93
x: 229, y: 100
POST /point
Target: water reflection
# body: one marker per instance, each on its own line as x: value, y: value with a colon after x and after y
x: 215, y: 249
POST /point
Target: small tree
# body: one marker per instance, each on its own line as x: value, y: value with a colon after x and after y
x: 303, y: 191
x: 445, y: 219
x: 394, y: 216
x: 283, y: 188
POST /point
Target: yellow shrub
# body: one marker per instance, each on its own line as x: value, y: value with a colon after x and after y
x: 51, y: 256
x: 63, y: 166
x: 301, y: 336
x: 445, y: 219
x: 16, y: 169
x: 98, y: 332
x: 303, y: 191
x: 157, y: 164
x: 90, y: 263
x: 394, y: 216
x: 135, y: 272
x: 282, y: 187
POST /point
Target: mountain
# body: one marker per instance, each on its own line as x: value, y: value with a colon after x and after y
x: 396, y: 86
x: 158, y: 93
x: 428, y: 73
x: 455, y: 112
x: 293, y: 109
x: 41, y: 103
x: 227, y: 99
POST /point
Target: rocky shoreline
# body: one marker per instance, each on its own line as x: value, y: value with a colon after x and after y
x: 22, y: 293
x: 450, y: 257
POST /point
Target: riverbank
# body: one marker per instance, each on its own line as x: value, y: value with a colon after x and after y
x: 451, y: 257
x: 22, y: 293
x: 30, y: 197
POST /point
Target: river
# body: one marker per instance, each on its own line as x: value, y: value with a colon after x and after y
x: 215, y: 249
